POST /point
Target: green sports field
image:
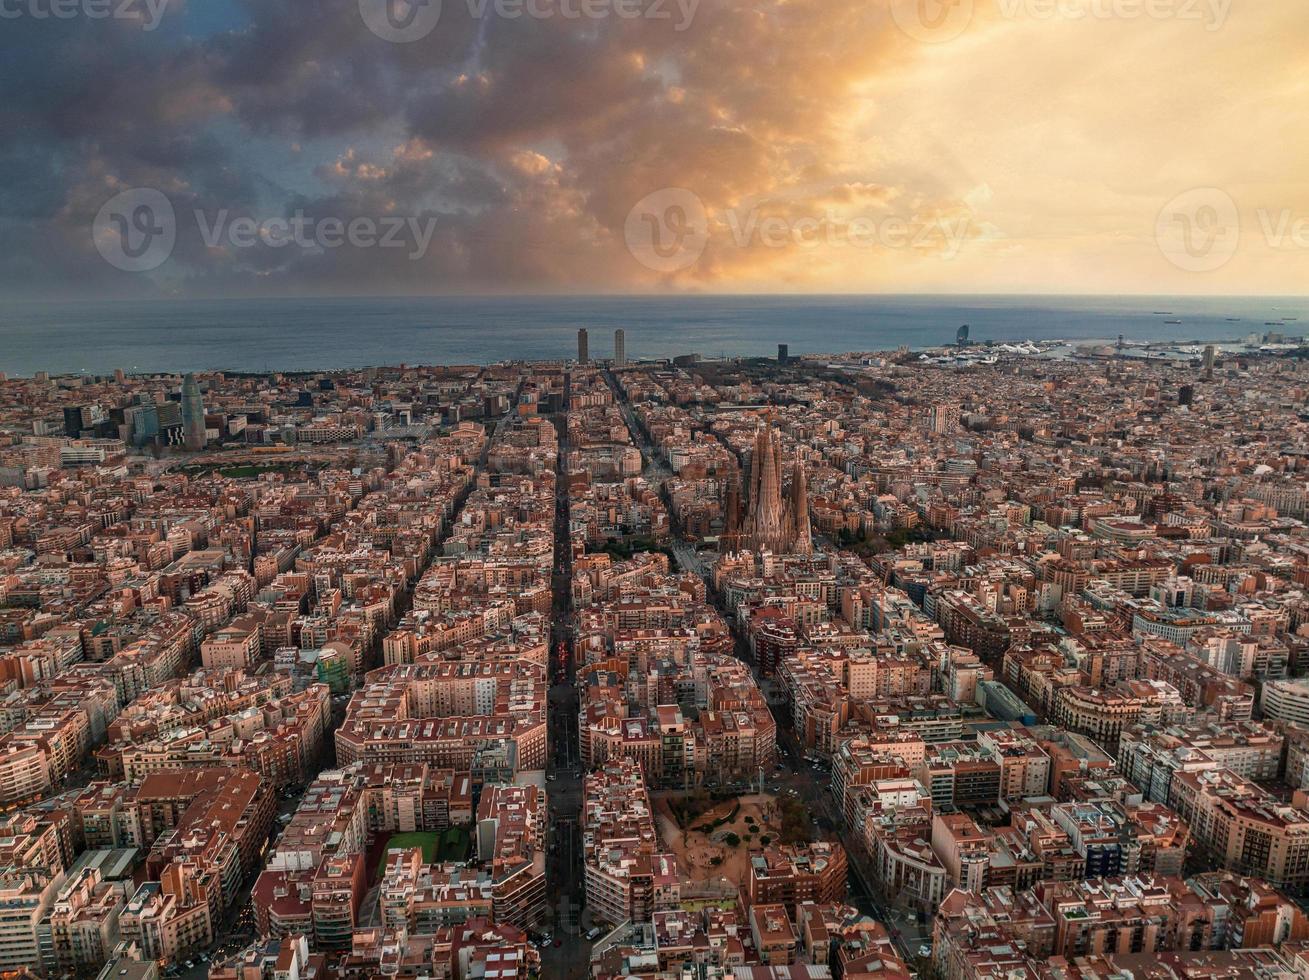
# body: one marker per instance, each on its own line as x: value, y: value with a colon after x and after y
x: 452, y: 845
x: 429, y: 841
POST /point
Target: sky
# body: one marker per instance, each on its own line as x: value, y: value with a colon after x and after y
x: 223, y: 148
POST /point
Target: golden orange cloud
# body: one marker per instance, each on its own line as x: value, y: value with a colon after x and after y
x: 1056, y: 131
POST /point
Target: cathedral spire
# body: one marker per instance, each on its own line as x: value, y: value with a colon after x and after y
x: 803, y: 543
x: 766, y: 526
x: 732, y: 518
x: 773, y: 521
x: 756, y: 465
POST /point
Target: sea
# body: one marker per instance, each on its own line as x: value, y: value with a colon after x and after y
x: 250, y: 335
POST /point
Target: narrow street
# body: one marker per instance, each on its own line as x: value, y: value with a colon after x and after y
x: 572, y: 957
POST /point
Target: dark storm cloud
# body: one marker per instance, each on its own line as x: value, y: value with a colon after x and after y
x: 526, y: 140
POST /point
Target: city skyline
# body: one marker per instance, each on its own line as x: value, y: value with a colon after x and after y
x: 662, y: 489
x: 982, y: 659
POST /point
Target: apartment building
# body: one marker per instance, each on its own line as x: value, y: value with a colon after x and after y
x: 1104, y: 714
x: 791, y: 875
x: 960, y: 773
x: 407, y: 797
x: 1152, y: 757
x: 1243, y: 828
x: 447, y: 715
x: 172, y: 917
x: 510, y: 836
x: 1024, y: 765
x: 1286, y: 700
x: 80, y: 929
x: 25, y: 897
x: 25, y: 772
x: 627, y: 876
x: 337, y: 893
x: 773, y: 933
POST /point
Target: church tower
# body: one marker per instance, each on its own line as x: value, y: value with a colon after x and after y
x: 767, y: 525
x: 732, y: 519
x: 803, y: 543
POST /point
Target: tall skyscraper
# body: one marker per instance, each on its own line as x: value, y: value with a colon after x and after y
x: 783, y: 353
x: 82, y: 418
x: 169, y: 415
x: 76, y: 418
x: 193, y: 415
x: 583, y: 348
x: 1209, y: 362
x: 145, y: 422
x: 620, y: 348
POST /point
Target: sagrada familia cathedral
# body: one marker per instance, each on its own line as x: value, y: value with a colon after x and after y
x: 772, y: 522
